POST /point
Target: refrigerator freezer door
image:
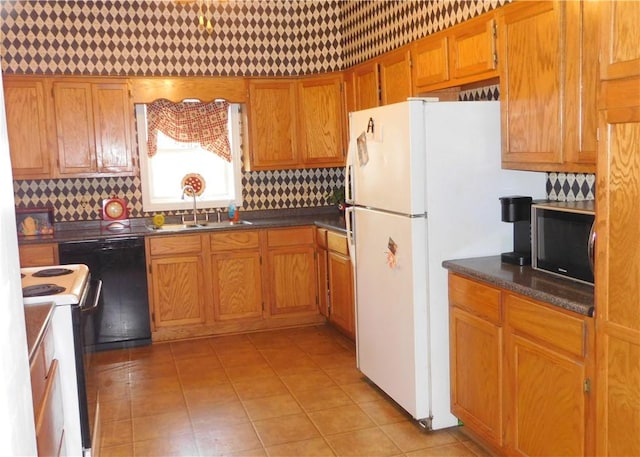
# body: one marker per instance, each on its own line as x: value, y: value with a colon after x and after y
x: 387, y: 170
x: 392, y: 306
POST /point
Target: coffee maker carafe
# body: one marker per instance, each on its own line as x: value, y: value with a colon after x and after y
x: 516, y: 209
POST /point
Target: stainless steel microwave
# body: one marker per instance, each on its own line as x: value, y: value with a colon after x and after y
x: 563, y: 239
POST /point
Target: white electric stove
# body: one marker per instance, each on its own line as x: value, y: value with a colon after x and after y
x: 59, y: 284
x: 75, y: 298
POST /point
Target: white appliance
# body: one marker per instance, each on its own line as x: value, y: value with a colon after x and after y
x: 424, y: 178
x: 69, y: 288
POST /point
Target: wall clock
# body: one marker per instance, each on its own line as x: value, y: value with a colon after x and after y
x: 114, y: 209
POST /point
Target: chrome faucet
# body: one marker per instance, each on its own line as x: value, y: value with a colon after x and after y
x: 192, y: 191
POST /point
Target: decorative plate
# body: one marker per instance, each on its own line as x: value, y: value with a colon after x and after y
x: 196, y: 181
x: 114, y: 209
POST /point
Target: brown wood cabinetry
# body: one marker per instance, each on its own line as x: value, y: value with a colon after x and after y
x: 430, y: 57
x: 366, y: 85
x: 619, y: 37
x: 472, y: 49
x: 618, y: 252
x: 93, y: 125
x: 395, y: 76
x: 47, y: 397
x: 292, y: 271
x: 28, y: 127
x: 236, y: 275
x: 340, y: 280
x: 476, y: 350
x: 323, y: 279
x: 177, y: 291
x: 521, y: 371
x: 37, y: 255
x: 321, y: 121
x: 547, y: 85
x: 548, y: 379
x: 296, y: 123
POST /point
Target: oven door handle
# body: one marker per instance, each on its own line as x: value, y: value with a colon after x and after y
x: 96, y: 298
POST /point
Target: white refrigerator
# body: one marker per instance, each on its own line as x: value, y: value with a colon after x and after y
x: 424, y: 178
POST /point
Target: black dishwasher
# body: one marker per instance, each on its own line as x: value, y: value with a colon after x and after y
x: 122, y: 317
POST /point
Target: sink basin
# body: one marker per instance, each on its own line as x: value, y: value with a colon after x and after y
x: 199, y: 226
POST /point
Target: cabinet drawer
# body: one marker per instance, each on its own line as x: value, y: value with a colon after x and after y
x: 321, y: 237
x: 290, y: 237
x: 40, y: 365
x: 180, y: 244
x: 475, y: 297
x: 228, y: 241
x: 337, y: 242
x: 554, y: 327
x: 50, y: 418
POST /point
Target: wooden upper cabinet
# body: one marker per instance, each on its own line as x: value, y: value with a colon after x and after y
x: 93, y: 125
x: 28, y: 127
x: 395, y: 76
x: 620, y: 35
x: 112, y: 126
x: 472, y: 49
x: 547, y: 87
x: 320, y: 114
x: 430, y: 58
x: 272, y: 108
x: 366, y: 85
x: 296, y: 123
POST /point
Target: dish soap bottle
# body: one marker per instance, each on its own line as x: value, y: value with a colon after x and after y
x: 233, y: 213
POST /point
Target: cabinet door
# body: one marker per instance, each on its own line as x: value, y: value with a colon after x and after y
x: 530, y: 84
x: 620, y: 35
x: 27, y: 128
x: 395, y: 76
x: 237, y: 285
x: 272, y: 123
x: 366, y: 85
x: 178, y: 290
x: 323, y: 279
x: 617, y: 266
x: 547, y: 88
x: 112, y: 118
x: 320, y: 114
x: 472, y: 49
x: 430, y: 62
x: 548, y: 404
x: 342, y: 305
x: 293, y: 280
x: 74, y: 126
x: 476, y: 374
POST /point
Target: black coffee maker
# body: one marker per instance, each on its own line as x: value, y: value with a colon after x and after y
x: 517, y: 210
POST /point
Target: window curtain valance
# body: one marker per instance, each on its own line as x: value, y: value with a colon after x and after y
x: 203, y: 123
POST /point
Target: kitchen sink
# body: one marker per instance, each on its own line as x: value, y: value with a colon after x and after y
x: 198, y: 226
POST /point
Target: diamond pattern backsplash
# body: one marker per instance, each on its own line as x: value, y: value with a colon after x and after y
x: 81, y: 198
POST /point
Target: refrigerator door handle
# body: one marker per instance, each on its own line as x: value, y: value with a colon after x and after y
x: 351, y: 247
x: 348, y: 185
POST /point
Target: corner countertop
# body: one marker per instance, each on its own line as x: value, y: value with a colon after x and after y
x: 564, y: 293
x: 327, y: 217
x: 36, y: 319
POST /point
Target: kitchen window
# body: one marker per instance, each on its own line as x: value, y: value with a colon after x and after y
x: 175, y: 163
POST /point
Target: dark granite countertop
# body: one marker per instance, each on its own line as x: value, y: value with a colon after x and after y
x: 327, y: 216
x: 567, y: 294
x: 36, y: 318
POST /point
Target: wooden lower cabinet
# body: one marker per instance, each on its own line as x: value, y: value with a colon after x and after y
x: 236, y: 275
x: 476, y: 335
x: 292, y: 271
x: 231, y: 281
x: 177, y: 280
x: 340, y: 280
x: 38, y: 255
x: 521, y: 371
x: 323, y: 278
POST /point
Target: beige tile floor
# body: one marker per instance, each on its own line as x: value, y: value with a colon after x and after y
x: 292, y: 392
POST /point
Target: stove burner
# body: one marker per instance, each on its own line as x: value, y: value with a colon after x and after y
x: 41, y: 290
x: 51, y: 272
